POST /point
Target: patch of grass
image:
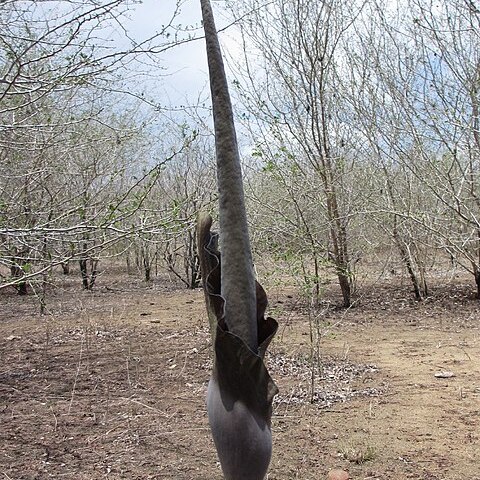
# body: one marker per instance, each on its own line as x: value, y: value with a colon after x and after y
x: 358, y: 454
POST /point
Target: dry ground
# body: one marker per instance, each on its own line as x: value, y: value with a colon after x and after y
x: 112, y: 384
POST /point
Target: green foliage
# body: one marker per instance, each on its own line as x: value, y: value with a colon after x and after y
x: 269, y: 166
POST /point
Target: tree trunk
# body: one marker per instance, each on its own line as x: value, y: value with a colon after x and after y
x: 476, y: 266
x: 420, y: 293
x: 88, y: 278
x: 316, y: 279
x: 192, y: 265
x: 147, y: 273
x: 411, y: 272
x: 338, y: 231
x: 477, y: 280
x: 84, y: 273
x: 17, y: 272
x: 340, y: 253
x: 344, y: 281
x: 93, y: 274
x: 127, y: 259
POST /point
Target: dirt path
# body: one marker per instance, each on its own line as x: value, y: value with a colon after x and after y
x: 423, y: 427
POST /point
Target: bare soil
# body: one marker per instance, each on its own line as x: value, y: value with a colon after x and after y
x: 111, y: 384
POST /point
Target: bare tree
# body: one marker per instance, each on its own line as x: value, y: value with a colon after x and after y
x: 66, y: 177
x: 298, y: 103
x: 420, y: 110
x: 186, y: 186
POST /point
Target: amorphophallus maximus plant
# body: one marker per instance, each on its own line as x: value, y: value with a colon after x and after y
x: 240, y: 391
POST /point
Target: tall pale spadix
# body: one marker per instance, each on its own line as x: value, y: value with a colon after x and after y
x: 240, y: 391
x: 238, y: 279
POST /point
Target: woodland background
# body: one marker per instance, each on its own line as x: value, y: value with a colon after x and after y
x: 358, y: 123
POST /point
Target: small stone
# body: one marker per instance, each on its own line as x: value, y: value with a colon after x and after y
x: 12, y: 337
x: 338, y: 475
x: 444, y: 374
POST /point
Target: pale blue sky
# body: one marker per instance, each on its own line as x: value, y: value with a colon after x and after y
x: 186, y: 64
